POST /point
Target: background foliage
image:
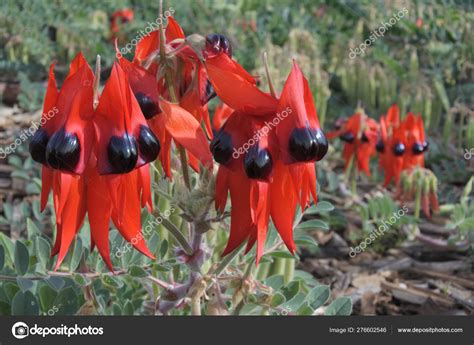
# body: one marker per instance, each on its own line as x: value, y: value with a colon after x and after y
x: 424, y: 63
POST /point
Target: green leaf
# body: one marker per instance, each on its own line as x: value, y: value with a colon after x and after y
x: 56, y: 283
x: 128, y: 308
x: 162, y: 268
x: 291, y: 290
x: 305, y: 241
x: 153, y: 242
x: 281, y: 254
x: 25, y: 303
x: 322, y: 206
x: 340, y: 306
x: 21, y: 175
x: 66, y: 302
x: 277, y: 299
x: 31, y: 228
x: 8, y: 211
x: 22, y: 258
x: 10, y: 290
x: 112, y: 282
x: 312, y: 224
x: 42, y: 251
x: 76, y: 255
x: 81, y: 279
x: 275, y: 282
x: 137, y: 272
x: 116, y: 310
x: 15, y: 161
x: 305, y: 309
x: 2, y: 257
x: 46, y: 295
x: 24, y: 284
x: 8, y: 246
x: 294, y: 303
x: 163, y: 248
x: 5, y: 309
x: 318, y: 296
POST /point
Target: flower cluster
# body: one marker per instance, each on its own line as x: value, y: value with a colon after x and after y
x: 277, y: 172
x: 401, y: 145
x: 96, y: 151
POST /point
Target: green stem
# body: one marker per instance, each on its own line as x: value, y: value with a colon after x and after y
x: 227, y: 260
x: 177, y: 235
x: 289, y: 270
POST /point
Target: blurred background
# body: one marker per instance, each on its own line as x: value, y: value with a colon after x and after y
x: 424, y: 63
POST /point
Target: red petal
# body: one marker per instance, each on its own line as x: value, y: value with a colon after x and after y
x: 99, y: 207
x: 186, y: 131
x: 118, y: 113
x: 295, y: 110
x: 222, y: 113
x: 237, y: 88
x: 283, y: 204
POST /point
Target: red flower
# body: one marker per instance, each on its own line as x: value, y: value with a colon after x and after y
x: 222, y: 113
x: 401, y: 144
x: 169, y: 121
x: 74, y: 156
x: 359, y: 133
x: 266, y: 149
x: 120, y: 16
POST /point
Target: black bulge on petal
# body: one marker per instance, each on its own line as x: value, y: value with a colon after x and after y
x: 425, y: 146
x: 63, y: 150
x: 323, y: 144
x: 258, y: 163
x: 303, y: 144
x: 209, y: 93
x: 148, y: 144
x: 417, y: 148
x: 380, y: 146
x: 147, y: 105
x: 348, y: 137
x: 398, y: 149
x: 364, y: 138
x: 221, y: 146
x: 38, y: 145
x: 122, y: 153
x: 218, y: 43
